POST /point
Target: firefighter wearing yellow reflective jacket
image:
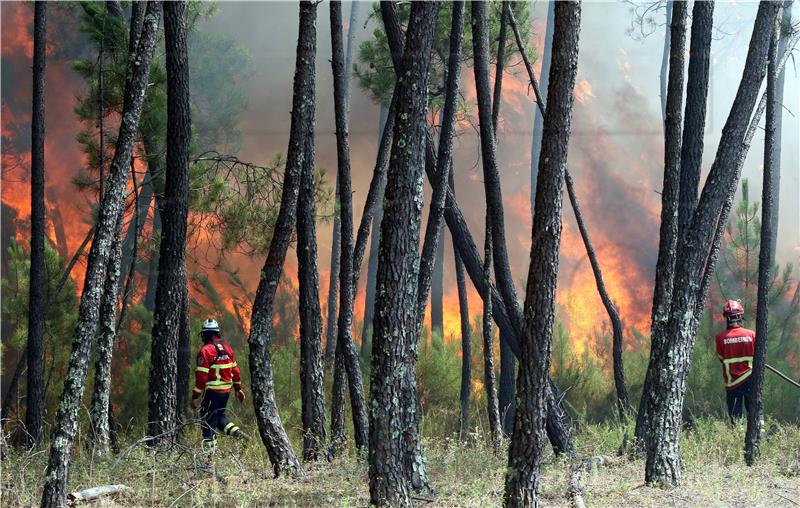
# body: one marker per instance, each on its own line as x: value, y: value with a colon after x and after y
x: 215, y: 375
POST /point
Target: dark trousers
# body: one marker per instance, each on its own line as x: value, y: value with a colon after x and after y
x: 738, y: 400
x: 212, y: 412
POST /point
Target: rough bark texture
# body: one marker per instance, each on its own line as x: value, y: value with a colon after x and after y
x: 279, y: 449
x: 528, y: 440
x: 668, y: 233
x: 466, y: 337
x: 499, y: 65
x: 373, y: 205
x: 765, y: 255
x: 66, y: 421
x: 167, y: 319
x: 507, y: 384
x: 623, y: 402
x: 670, y: 365
x: 344, y: 344
x: 106, y: 338
x: 536, y: 143
x: 37, y: 311
x: 695, y: 113
x: 391, y: 483
x: 312, y: 386
x: 492, y: 407
x: 437, y: 291
x: 184, y: 360
x: 665, y: 56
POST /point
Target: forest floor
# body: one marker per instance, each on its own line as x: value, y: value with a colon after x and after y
x: 461, y: 474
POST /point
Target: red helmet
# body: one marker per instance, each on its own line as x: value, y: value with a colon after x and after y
x: 733, y: 308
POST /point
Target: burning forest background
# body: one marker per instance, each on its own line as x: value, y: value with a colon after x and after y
x: 242, y: 57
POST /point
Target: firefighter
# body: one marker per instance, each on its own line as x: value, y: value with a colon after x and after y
x: 215, y: 374
x: 735, y: 349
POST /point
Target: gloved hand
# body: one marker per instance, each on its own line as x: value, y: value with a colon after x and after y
x: 194, y: 403
x: 240, y: 396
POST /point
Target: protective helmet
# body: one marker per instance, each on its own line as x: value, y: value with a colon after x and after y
x: 210, y: 325
x: 733, y: 308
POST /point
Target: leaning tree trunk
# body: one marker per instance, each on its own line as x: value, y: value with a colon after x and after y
x: 492, y: 408
x: 528, y: 440
x: 37, y: 312
x: 623, y: 403
x: 670, y: 365
x: 344, y: 343
x: 668, y: 233
x: 66, y: 421
x: 167, y: 320
x: 466, y: 338
x: 99, y: 440
x: 756, y: 410
x: 274, y: 437
x: 395, y: 323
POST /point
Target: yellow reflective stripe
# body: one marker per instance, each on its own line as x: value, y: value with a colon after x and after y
x: 727, y: 363
x: 197, y: 390
x: 228, y: 427
x: 739, y: 379
x: 224, y: 366
x: 748, y: 359
x: 219, y: 384
x: 200, y: 369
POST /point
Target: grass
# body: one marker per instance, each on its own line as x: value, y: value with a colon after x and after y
x: 461, y: 474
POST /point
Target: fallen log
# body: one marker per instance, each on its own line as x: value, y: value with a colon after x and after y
x: 95, y: 492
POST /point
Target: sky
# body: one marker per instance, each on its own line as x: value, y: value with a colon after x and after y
x: 615, y: 153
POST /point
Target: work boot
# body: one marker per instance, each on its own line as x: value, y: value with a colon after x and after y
x: 240, y: 434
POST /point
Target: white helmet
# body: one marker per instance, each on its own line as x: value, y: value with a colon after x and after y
x: 210, y: 325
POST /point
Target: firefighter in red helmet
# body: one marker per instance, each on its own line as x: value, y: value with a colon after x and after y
x: 216, y: 374
x: 735, y: 349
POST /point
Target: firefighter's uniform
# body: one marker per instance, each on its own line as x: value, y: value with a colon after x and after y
x: 215, y: 375
x: 735, y: 349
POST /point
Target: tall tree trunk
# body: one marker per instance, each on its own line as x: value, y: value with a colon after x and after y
x: 437, y: 292
x: 152, y: 149
x: 492, y: 408
x: 167, y: 320
x: 695, y: 113
x: 344, y: 341
x: 396, y: 312
x: 665, y: 66
x: 106, y: 338
x: 528, y: 440
x: 58, y: 225
x: 336, y: 243
x: 66, y: 422
x: 755, y: 412
x: 184, y: 358
x: 623, y: 403
x: 375, y: 237
x: 668, y: 233
x: 785, y: 31
x: 670, y: 365
x: 536, y: 143
x: 274, y: 437
x: 37, y: 311
x: 466, y: 337
x: 12, y: 392
x: 499, y: 65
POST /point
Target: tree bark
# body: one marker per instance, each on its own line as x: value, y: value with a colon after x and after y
x: 492, y: 407
x: 765, y: 255
x: 670, y: 365
x: 695, y: 112
x: 466, y: 337
x: 499, y: 65
x: 274, y: 437
x: 665, y: 57
x: 668, y: 233
x: 66, y: 421
x: 37, y: 306
x: 536, y: 143
x: 507, y: 385
x: 528, y: 440
x: 391, y: 480
x: 106, y: 338
x: 167, y: 319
